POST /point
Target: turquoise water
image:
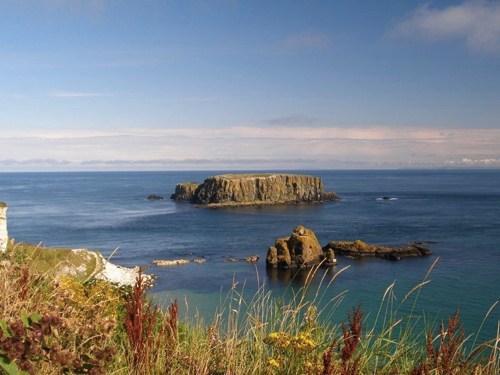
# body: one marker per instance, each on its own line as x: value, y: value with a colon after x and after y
x: 458, y: 209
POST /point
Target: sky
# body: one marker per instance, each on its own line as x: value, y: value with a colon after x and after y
x: 228, y: 84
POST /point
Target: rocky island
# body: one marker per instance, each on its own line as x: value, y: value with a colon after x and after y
x: 233, y: 190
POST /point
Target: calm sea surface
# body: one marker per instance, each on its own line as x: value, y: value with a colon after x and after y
x: 458, y: 209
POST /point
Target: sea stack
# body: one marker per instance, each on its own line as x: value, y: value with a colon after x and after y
x: 4, y: 236
x: 233, y: 190
x: 301, y: 249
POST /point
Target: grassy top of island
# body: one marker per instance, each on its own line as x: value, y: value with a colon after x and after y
x: 61, y: 324
x: 240, y: 176
x: 3, y: 205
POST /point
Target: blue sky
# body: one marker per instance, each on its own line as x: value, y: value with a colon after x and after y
x: 248, y: 84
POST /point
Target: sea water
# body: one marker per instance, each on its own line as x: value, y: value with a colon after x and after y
x: 458, y: 209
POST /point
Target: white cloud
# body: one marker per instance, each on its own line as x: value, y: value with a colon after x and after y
x: 74, y: 94
x: 477, y: 23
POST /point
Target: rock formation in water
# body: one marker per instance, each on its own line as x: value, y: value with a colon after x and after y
x: 359, y: 249
x: 4, y: 236
x: 301, y: 249
x: 254, y: 189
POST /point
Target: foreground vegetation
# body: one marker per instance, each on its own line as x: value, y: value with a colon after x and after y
x: 52, y: 325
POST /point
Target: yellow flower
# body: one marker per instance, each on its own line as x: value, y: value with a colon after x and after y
x: 271, y: 362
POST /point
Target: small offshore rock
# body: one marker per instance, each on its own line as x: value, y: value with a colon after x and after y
x: 155, y: 198
x: 168, y: 263
x: 199, y: 261
x: 252, y: 259
x: 230, y: 260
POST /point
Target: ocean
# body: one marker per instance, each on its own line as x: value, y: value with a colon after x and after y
x: 458, y: 209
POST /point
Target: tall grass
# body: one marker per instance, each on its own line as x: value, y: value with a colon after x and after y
x: 96, y: 328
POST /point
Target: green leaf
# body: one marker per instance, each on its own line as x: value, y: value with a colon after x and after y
x: 5, y: 328
x: 8, y: 366
x: 24, y: 318
x: 36, y: 318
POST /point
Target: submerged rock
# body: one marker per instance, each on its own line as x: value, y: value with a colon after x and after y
x: 301, y: 249
x: 168, y: 263
x: 357, y: 249
x: 232, y: 190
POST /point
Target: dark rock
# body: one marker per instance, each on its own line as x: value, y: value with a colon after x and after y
x: 359, y: 249
x: 155, y: 198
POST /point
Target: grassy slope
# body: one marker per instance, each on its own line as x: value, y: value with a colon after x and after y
x: 81, y: 264
x: 261, y: 335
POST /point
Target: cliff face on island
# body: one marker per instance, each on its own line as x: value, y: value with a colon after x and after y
x: 248, y: 189
x: 184, y: 191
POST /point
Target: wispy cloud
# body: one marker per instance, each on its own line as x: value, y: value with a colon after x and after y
x: 307, y: 39
x: 295, y: 119
x: 285, y: 146
x: 76, y: 94
x: 477, y: 23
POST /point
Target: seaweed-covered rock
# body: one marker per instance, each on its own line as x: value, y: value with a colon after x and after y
x: 357, y: 249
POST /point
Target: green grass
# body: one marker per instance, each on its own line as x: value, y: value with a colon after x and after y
x: 250, y: 175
